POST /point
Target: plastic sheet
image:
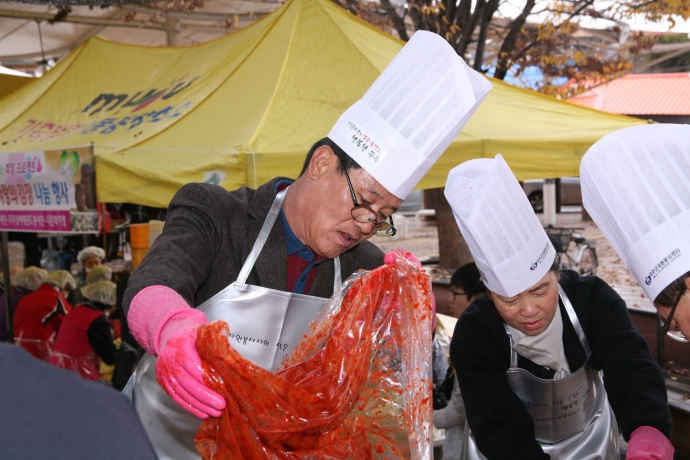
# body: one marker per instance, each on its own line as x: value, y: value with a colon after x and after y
x: 41, y: 349
x: 357, y: 387
x: 88, y: 366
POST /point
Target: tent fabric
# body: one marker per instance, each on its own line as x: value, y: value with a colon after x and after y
x: 11, y: 82
x: 247, y: 107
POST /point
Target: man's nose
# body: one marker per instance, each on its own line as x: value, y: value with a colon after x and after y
x: 529, y: 310
x: 365, y: 227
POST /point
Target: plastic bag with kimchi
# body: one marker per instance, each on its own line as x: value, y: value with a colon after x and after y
x: 357, y: 387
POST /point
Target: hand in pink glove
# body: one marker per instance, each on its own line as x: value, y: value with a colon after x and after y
x: 393, y: 256
x: 648, y: 443
x: 165, y: 325
x: 178, y: 370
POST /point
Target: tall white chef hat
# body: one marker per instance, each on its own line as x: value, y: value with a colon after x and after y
x: 636, y: 187
x: 411, y: 113
x: 509, y: 245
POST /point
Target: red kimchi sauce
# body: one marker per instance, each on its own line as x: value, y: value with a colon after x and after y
x: 357, y: 387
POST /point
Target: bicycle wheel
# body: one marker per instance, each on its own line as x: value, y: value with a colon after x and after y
x: 588, y: 262
x: 564, y: 261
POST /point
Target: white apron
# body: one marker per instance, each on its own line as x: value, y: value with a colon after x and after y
x: 572, y: 417
x: 265, y: 326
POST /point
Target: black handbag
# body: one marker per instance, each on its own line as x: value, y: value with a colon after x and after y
x: 443, y: 391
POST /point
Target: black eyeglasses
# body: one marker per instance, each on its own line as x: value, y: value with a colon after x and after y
x: 666, y: 324
x: 365, y: 215
x: 454, y: 294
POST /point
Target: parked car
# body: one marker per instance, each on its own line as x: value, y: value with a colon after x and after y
x: 412, y: 204
x: 571, y: 195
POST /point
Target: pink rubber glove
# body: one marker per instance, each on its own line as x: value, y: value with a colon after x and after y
x: 393, y: 256
x: 166, y: 326
x: 648, y: 443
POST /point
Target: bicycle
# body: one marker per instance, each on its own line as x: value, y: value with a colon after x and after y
x: 574, y: 251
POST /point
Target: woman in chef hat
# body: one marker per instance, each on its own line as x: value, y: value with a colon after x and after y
x: 636, y: 187
x: 529, y: 354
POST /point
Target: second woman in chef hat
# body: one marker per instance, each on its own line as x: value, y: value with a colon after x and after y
x: 636, y: 187
x: 528, y: 354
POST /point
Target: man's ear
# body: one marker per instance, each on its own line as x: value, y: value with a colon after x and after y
x: 321, y: 162
x: 687, y: 282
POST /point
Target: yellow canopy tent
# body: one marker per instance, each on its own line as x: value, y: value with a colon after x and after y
x: 244, y: 108
x: 10, y: 83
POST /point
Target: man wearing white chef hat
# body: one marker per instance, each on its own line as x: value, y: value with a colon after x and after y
x: 528, y: 355
x: 265, y: 260
x: 636, y: 187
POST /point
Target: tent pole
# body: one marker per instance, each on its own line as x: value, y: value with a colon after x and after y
x: 549, y: 194
x: 8, y: 288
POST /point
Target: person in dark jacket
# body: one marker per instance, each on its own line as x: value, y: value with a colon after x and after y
x: 480, y: 352
x: 289, y: 243
x: 549, y: 363
x: 50, y: 413
x: 86, y: 338
x: 465, y: 288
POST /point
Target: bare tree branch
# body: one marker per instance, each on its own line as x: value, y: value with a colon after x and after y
x: 468, y: 29
x: 503, y: 62
x: 398, y: 22
x: 487, y: 15
x: 572, y: 15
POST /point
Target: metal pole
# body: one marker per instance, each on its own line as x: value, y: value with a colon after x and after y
x: 8, y: 288
x: 549, y: 194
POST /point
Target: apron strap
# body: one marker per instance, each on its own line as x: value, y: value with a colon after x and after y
x: 573, y: 319
x: 263, y: 237
x: 513, y: 353
x: 338, y: 281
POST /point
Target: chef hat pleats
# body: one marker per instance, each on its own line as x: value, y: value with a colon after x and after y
x: 411, y: 113
x: 506, y: 240
x: 636, y: 187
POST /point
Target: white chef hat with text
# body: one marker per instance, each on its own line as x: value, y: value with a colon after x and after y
x: 511, y: 249
x: 411, y: 113
x: 636, y: 188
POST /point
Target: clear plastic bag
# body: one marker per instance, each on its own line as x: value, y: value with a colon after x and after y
x: 357, y: 387
x: 41, y: 349
x: 87, y: 366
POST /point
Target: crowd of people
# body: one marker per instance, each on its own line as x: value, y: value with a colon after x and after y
x: 543, y: 363
x: 70, y: 321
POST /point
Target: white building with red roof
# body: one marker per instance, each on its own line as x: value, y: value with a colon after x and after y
x: 662, y: 97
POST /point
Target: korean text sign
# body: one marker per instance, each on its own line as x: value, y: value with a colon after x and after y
x: 48, y: 191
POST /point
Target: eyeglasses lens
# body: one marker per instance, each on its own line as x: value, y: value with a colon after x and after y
x: 384, y: 229
x: 666, y: 324
x: 675, y: 335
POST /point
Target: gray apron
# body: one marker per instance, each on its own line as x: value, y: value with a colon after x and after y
x: 572, y: 417
x: 265, y: 326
